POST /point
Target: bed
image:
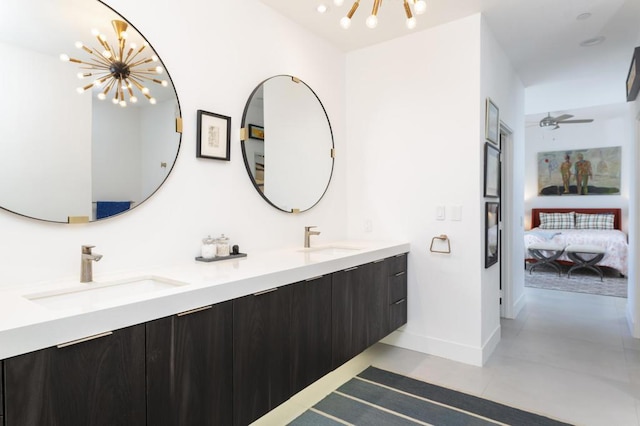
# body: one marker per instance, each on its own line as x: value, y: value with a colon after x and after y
x: 599, y: 227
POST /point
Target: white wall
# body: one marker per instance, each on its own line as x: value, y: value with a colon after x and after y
x: 211, y: 50
x: 415, y: 114
x: 500, y: 82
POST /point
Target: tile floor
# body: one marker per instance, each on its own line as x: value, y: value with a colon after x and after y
x: 568, y: 355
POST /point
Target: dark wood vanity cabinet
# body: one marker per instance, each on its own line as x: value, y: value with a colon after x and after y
x: 397, y: 278
x: 310, y: 331
x: 224, y: 364
x: 359, y: 306
x: 189, y: 368
x: 261, y: 353
x: 96, y: 382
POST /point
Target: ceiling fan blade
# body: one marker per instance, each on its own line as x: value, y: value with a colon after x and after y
x: 588, y: 120
x: 563, y: 117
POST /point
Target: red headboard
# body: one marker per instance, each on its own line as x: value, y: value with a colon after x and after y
x: 617, y: 214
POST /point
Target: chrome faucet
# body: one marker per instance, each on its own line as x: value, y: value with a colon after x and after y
x: 86, y: 270
x: 307, y: 234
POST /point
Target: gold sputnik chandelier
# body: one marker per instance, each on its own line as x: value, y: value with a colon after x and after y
x: 410, y: 6
x: 118, y: 68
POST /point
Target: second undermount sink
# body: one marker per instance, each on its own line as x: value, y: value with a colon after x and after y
x: 99, y: 294
x: 331, y: 250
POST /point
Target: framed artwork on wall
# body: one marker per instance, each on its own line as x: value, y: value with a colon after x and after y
x: 214, y: 138
x: 633, y: 77
x: 589, y: 171
x: 256, y: 132
x: 492, y: 122
x: 491, y: 171
x: 491, y: 234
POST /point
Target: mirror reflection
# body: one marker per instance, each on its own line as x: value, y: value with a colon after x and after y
x: 83, y: 156
x: 288, y: 151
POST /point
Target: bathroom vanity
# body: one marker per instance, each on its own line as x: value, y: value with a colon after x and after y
x: 234, y: 340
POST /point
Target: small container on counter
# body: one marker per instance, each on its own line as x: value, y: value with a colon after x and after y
x: 209, y: 248
x: 222, y: 246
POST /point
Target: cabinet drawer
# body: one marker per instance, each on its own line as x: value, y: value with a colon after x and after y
x: 397, y: 314
x: 397, y: 264
x: 397, y: 287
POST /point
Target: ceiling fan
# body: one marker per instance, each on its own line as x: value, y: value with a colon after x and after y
x: 552, y: 123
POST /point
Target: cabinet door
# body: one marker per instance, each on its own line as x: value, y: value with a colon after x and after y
x: 189, y: 368
x: 377, y: 303
x: 261, y: 353
x: 1, y: 388
x: 97, y: 382
x: 349, y: 313
x: 310, y: 331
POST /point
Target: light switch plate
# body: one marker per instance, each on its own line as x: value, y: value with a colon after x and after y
x: 440, y: 213
x: 456, y: 213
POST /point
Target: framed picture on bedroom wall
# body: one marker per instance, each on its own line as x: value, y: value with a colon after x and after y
x: 491, y: 171
x: 590, y: 171
x: 491, y: 239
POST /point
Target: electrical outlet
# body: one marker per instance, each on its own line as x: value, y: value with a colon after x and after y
x: 368, y: 225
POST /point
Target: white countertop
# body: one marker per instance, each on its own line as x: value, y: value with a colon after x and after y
x: 26, y: 325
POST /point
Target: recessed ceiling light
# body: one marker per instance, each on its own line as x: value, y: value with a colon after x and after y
x: 322, y: 8
x: 583, y: 16
x: 592, y: 41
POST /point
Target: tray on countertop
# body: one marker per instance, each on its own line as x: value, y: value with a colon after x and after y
x: 218, y: 258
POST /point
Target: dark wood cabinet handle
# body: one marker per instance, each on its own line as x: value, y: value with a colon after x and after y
x: 400, y: 301
x: 378, y: 261
x: 399, y: 274
x: 351, y: 269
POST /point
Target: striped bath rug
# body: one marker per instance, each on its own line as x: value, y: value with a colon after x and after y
x: 380, y: 398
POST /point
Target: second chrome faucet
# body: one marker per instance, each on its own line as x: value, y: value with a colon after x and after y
x: 307, y: 235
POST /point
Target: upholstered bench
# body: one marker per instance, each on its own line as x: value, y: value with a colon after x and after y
x: 585, y: 257
x: 546, y: 253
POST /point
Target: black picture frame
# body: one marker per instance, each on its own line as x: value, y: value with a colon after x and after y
x: 491, y: 233
x: 491, y: 171
x: 492, y: 122
x: 633, y: 76
x: 256, y: 132
x: 214, y: 136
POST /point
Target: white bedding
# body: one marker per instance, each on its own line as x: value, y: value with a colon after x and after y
x: 613, y: 241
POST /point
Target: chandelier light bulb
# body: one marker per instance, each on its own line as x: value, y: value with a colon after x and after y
x: 114, y: 101
x: 411, y: 23
x: 158, y: 69
x: 79, y: 44
x: 164, y: 83
x: 145, y: 90
x: 152, y: 101
x: 133, y: 99
x: 322, y: 8
x: 420, y: 7
x: 64, y: 57
x: 80, y: 90
x: 338, y: 2
x: 345, y: 23
x: 106, y: 54
x: 102, y: 96
x: 372, y: 21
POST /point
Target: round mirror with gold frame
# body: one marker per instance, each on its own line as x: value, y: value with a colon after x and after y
x: 287, y: 144
x: 90, y: 136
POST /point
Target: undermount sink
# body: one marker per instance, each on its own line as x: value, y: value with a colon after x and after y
x: 333, y: 250
x: 97, y: 294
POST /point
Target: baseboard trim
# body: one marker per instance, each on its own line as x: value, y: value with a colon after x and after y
x: 491, y: 344
x: 518, y: 305
x: 442, y: 348
x: 631, y: 323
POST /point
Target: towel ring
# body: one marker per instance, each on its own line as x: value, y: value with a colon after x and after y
x: 441, y: 237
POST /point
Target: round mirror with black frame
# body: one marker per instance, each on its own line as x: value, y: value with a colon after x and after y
x: 287, y: 144
x: 68, y: 156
